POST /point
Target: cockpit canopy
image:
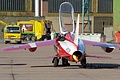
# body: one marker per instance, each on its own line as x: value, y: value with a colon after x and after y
x: 66, y: 18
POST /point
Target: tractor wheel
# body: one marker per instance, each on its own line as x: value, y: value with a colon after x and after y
x: 6, y: 42
x: 27, y: 38
x: 33, y: 38
x: 19, y: 42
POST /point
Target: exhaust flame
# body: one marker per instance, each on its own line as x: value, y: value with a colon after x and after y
x: 75, y: 58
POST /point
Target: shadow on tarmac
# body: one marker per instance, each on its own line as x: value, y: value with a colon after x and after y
x: 89, y: 66
x: 13, y: 64
x: 102, y: 65
x: 98, y: 66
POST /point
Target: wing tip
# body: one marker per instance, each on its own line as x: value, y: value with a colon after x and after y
x: 3, y: 50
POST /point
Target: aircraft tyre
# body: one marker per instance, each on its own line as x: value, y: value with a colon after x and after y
x: 83, y: 62
x: 65, y: 62
x: 55, y: 61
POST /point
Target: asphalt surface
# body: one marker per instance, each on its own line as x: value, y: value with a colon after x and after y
x: 24, y: 65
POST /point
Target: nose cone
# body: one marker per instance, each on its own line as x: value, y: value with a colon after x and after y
x: 75, y: 58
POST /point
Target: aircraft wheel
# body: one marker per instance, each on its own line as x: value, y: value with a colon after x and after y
x: 56, y: 61
x: 83, y: 63
x: 65, y: 62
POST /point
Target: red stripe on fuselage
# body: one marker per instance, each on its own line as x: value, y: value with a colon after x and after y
x: 61, y: 52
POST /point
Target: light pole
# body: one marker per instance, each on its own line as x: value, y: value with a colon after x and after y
x: 85, y: 10
x: 36, y: 8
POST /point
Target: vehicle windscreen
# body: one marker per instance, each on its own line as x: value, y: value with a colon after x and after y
x: 13, y: 30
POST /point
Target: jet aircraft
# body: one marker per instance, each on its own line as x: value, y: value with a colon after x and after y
x: 68, y: 46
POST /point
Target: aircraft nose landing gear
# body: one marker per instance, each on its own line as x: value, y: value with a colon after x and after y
x: 55, y: 61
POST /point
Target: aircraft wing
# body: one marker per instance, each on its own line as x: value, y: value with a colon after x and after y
x: 101, y: 44
x: 30, y: 45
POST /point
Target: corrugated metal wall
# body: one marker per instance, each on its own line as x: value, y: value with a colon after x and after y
x: 33, y: 5
x: 98, y: 23
x: 105, y: 5
x: 12, y: 5
x: 53, y: 5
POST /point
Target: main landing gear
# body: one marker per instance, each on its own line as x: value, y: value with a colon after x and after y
x: 83, y: 62
x: 65, y: 62
x: 55, y: 61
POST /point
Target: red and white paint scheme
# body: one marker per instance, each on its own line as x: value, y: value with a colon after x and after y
x: 68, y: 46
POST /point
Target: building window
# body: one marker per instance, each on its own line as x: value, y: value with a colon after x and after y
x: 12, y: 5
x: 53, y: 5
x: 33, y: 5
x: 105, y: 6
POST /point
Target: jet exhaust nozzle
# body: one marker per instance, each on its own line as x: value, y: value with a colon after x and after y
x: 77, y: 56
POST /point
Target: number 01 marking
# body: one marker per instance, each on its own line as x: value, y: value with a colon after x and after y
x: 68, y: 50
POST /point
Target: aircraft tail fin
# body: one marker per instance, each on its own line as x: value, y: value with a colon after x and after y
x: 77, y: 30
